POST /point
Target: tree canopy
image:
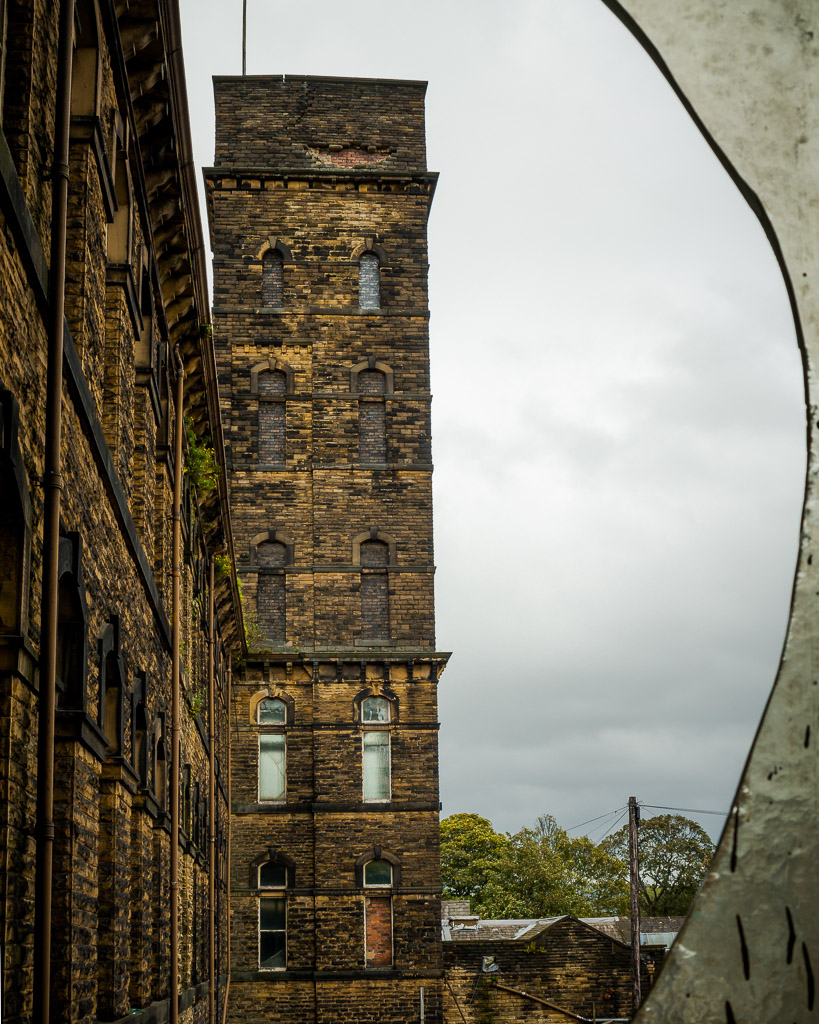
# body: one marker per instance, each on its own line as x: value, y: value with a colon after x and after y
x: 537, y: 872
x: 674, y: 853
x: 544, y: 872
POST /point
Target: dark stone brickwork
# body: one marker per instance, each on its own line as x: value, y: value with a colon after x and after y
x: 569, y: 964
x: 110, y: 907
x: 272, y: 418
x: 327, y: 169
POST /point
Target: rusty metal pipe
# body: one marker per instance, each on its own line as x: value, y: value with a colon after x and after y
x: 51, y: 522
x: 176, y: 557
x: 211, y: 802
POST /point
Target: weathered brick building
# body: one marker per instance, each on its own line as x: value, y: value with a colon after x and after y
x: 539, y: 971
x: 318, y: 208
x: 127, y: 625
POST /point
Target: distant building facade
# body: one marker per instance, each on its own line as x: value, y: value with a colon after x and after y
x: 318, y: 208
x: 545, y: 971
x: 135, y: 316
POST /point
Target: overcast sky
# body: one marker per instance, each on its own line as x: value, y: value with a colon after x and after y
x: 618, y: 420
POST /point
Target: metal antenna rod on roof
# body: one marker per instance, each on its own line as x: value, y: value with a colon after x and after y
x: 244, y: 37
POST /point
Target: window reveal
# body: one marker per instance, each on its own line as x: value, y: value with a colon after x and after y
x: 272, y: 279
x: 378, y: 931
x: 375, y: 602
x: 369, y: 281
x: 272, y: 425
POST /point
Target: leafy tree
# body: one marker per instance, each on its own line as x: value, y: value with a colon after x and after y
x: 472, y: 852
x: 674, y: 854
x: 548, y: 873
x: 538, y: 872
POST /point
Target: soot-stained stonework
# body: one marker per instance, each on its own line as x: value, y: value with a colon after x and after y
x: 322, y: 173
x: 135, y: 292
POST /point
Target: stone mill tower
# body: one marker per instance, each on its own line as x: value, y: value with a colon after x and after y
x: 318, y: 208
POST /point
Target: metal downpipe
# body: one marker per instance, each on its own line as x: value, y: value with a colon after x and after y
x: 176, y: 558
x: 229, y: 818
x: 211, y: 802
x: 51, y: 522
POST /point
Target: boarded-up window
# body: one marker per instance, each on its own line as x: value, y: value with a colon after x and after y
x: 272, y: 417
x: 372, y: 417
x: 272, y: 279
x: 271, y: 599
x: 375, y: 600
x: 369, y: 282
x: 378, y: 931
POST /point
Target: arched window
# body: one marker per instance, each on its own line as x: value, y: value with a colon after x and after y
x: 372, y: 417
x: 378, y: 915
x: 272, y: 279
x: 111, y: 709
x: 375, y: 599
x: 72, y: 642
x: 273, y: 916
x: 272, y: 432
x: 378, y: 874
x: 376, y: 766
x: 271, y: 595
x: 139, y: 728
x: 15, y: 520
x: 272, y: 713
x: 369, y: 281
x: 160, y: 764
x: 186, y: 800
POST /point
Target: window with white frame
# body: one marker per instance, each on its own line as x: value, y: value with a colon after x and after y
x: 375, y: 751
x: 378, y: 915
x: 272, y: 749
x: 273, y: 917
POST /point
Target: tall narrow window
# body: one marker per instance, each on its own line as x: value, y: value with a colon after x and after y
x: 375, y: 600
x: 378, y: 915
x: 369, y: 281
x: 273, y: 917
x: 372, y: 417
x: 272, y: 750
x: 375, y: 750
x: 271, y: 606
x: 272, y: 417
x: 14, y: 533
x: 272, y: 279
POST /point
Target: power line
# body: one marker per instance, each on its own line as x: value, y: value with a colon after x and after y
x: 608, y: 814
x: 614, y: 825
x: 686, y: 810
x: 623, y: 811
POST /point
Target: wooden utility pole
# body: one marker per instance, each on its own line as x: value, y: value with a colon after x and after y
x: 634, y: 891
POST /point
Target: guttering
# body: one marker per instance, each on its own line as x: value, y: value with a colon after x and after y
x: 176, y: 557
x: 211, y: 803
x: 51, y: 522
